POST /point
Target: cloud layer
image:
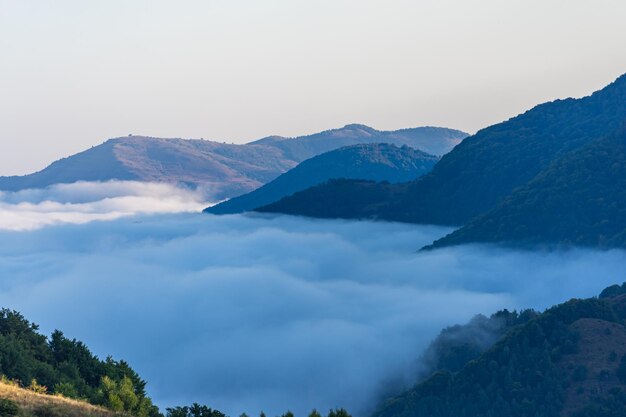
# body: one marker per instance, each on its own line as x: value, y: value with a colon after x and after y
x: 270, y: 313
x: 83, y: 202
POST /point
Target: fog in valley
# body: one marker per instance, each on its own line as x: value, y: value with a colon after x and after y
x: 251, y: 313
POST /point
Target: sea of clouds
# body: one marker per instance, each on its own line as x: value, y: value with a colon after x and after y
x: 251, y: 313
x: 83, y: 202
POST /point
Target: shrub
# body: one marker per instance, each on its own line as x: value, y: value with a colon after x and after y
x: 8, y: 408
x: 35, y: 387
x: 66, y: 389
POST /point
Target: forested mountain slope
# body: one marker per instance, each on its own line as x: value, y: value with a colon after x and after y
x: 485, y: 168
x: 375, y: 162
x: 579, y: 200
x: 568, y: 361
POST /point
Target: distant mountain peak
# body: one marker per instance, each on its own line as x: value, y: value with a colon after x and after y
x: 357, y: 126
x: 222, y: 168
x: 268, y: 140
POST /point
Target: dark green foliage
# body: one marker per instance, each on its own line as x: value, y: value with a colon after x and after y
x: 338, y: 412
x: 612, y: 405
x: 579, y: 200
x: 178, y: 412
x: 337, y: 198
x: 457, y: 345
x: 68, y: 367
x: 122, y: 395
x: 519, y: 376
x: 8, y: 408
x: 485, y: 168
x: 196, y: 410
x: 613, y: 291
x: 621, y: 370
x: 580, y: 373
x: 374, y: 162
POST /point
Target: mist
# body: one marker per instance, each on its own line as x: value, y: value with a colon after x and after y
x: 251, y: 313
x: 84, y: 202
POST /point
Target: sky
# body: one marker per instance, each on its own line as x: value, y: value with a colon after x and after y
x: 251, y: 313
x: 74, y: 73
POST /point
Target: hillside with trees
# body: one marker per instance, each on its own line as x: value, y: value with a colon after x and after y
x: 58, y: 365
x: 567, y: 361
x: 485, y: 168
x: 357, y: 199
x: 374, y: 162
x: 16, y: 401
x: 579, y: 200
x: 61, y: 377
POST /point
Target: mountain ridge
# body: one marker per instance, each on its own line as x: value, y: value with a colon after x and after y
x: 486, y: 167
x: 377, y: 162
x: 223, y: 170
x: 579, y: 200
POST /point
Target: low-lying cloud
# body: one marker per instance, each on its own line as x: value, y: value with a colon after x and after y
x: 272, y: 313
x: 83, y: 202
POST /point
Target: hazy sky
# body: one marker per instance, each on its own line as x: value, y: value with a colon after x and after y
x: 75, y: 72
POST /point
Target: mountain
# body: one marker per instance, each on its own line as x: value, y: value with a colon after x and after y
x: 432, y: 140
x: 357, y: 199
x: 222, y: 170
x: 567, y: 361
x: 457, y: 345
x: 483, y: 169
x: 376, y: 161
x: 579, y: 200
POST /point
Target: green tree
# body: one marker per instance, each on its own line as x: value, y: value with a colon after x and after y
x: 338, y: 412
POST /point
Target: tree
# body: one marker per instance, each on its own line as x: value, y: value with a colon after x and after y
x: 338, y: 412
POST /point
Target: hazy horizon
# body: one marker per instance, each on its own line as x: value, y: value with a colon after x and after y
x: 75, y: 73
